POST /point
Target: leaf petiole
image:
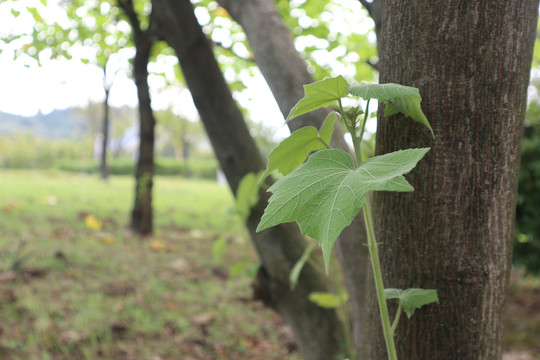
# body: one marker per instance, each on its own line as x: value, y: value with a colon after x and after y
x: 396, y: 319
x: 361, y: 136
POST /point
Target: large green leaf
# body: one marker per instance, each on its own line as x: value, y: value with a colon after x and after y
x: 398, y: 99
x: 325, y: 193
x: 412, y: 299
x: 319, y: 94
x: 294, y: 150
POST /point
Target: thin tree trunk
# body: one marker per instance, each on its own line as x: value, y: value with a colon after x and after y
x: 316, y: 330
x: 186, y: 148
x: 142, y: 212
x: 103, y: 168
x: 471, y: 61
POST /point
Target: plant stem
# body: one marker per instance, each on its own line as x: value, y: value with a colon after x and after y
x: 361, y: 136
x: 374, y: 253
x: 396, y: 319
x: 347, y: 327
x: 340, y: 289
x: 379, y: 285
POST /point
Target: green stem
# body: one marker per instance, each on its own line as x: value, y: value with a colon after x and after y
x: 324, y: 142
x: 342, y: 308
x: 361, y: 136
x: 379, y: 285
x: 396, y: 319
x: 340, y: 289
x: 316, y: 265
x: 347, y: 327
x: 375, y: 262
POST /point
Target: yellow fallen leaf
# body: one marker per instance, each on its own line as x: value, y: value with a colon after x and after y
x: 160, y: 245
x: 92, y: 223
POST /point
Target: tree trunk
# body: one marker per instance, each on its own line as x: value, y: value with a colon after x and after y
x: 285, y: 72
x: 471, y: 61
x: 186, y: 148
x: 103, y: 168
x: 142, y: 212
x: 316, y: 330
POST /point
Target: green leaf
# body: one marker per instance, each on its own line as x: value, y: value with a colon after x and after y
x: 382, y: 92
x: 327, y: 128
x: 325, y: 193
x: 238, y: 268
x: 410, y: 106
x: 294, y: 150
x: 328, y: 300
x: 398, y: 99
x: 412, y: 299
x: 297, y: 268
x: 218, y: 249
x: 319, y: 94
x: 247, y: 194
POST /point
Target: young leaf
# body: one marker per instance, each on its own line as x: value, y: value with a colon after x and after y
x: 398, y: 98
x: 328, y: 300
x: 325, y: 193
x: 297, y: 268
x: 294, y: 150
x: 319, y: 94
x: 412, y: 299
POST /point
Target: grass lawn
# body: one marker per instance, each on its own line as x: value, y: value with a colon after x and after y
x: 75, y: 284
x: 70, y: 291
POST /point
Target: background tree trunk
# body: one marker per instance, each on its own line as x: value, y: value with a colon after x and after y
x: 471, y: 61
x: 317, y: 331
x: 103, y: 168
x: 142, y: 213
x: 285, y: 72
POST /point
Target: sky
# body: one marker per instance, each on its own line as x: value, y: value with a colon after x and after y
x: 27, y: 88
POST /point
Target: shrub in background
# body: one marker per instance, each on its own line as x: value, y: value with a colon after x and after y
x: 527, y: 235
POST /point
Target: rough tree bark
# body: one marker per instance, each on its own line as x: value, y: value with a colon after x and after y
x: 316, y: 330
x: 142, y: 213
x: 471, y: 61
x: 285, y: 72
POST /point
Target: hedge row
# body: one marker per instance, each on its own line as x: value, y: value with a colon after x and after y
x: 199, y: 168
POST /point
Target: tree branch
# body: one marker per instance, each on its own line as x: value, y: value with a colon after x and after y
x: 367, y: 5
x: 129, y: 10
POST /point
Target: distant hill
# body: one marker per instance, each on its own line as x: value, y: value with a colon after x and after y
x: 59, y: 124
